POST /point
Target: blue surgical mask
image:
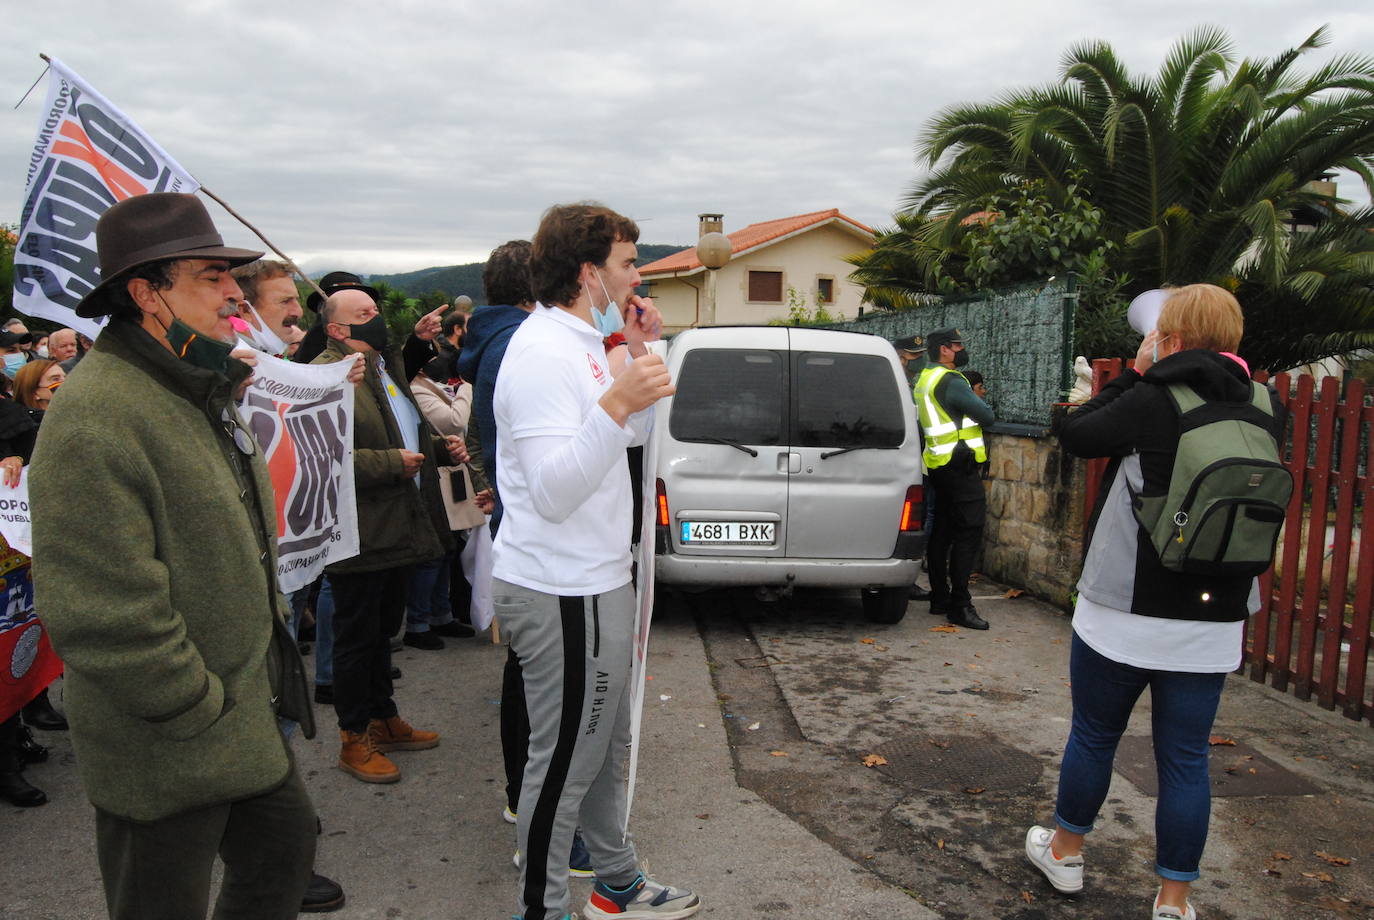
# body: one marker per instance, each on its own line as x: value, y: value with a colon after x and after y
x: 12, y: 364
x: 608, y: 319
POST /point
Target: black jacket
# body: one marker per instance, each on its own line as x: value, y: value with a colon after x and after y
x: 1133, y: 420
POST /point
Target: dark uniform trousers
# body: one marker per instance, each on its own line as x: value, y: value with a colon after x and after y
x: 960, y: 507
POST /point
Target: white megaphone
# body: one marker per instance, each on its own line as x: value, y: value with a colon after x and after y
x: 1143, y: 313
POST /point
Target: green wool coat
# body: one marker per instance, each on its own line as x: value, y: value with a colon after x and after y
x: 154, y: 560
x: 398, y: 523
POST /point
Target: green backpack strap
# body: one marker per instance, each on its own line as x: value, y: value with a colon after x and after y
x: 1185, y: 398
x: 1259, y: 397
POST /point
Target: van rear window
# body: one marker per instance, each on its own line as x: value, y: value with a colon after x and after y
x: 731, y: 394
x: 847, y: 400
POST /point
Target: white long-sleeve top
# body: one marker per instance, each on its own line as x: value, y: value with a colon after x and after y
x: 561, y: 472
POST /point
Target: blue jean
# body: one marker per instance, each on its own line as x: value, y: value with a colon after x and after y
x: 427, y: 602
x: 324, y: 628
x: 1183, y: 707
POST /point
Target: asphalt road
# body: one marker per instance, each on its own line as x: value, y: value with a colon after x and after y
x: 754, y: 790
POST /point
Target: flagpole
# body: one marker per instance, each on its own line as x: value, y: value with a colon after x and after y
x: 284, y: 257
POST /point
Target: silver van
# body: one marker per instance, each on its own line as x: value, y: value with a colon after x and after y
x: 789, y: 457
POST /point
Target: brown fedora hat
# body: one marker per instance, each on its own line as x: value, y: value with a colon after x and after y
x: 153, y: 228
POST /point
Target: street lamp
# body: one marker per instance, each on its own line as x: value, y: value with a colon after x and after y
x: 713, y: 250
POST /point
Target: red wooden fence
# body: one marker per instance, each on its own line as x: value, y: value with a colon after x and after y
x: 1312, y: 631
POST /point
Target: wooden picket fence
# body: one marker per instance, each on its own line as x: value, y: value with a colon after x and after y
x: 1312, y: 632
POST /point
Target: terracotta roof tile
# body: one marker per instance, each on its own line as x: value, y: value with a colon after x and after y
x: 750, y: 237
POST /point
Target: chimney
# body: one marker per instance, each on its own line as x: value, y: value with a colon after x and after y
x: 711, y: 223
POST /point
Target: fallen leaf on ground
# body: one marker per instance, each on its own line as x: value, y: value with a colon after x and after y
x: 874, y: 760
x: 1013, y: 592
x: 777, y: 753
x: 1253, y: 771
x: 703, y: 817
x: 1334, y: 860
x: 1216, y: 740
x: 940, y: 844
x: 1279, y: 854
x: 881, y: 648
x: 975, y: 790
x: 867, y: 641
x: 944, y: 629
x: 1274, y: 872
x: 1027, y: 897
x: 752, y: 727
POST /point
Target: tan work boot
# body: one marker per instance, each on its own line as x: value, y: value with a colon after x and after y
x: 396, y: 734
x: 360, y: 757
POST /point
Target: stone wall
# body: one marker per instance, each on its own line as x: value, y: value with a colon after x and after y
x: 1033, y: 538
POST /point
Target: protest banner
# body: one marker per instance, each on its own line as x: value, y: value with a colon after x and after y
x: 301, y: 416
x: 16, y: 526
x: 27, y: 661
x: 644, y: 590
x: 88, y: 155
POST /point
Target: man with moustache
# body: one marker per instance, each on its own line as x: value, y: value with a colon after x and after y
x: 150, y: 496
x: 270, y: 308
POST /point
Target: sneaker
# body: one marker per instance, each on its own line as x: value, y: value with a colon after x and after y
x: 579, y: 860
x: 396, y: 734
x: 1066, y: 873
x: 508, y: 816
x: 1167, y: 912
x: 646, y: 899
x: 423, y: 640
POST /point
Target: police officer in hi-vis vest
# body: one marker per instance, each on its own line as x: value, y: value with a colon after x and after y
x: 951, y: 420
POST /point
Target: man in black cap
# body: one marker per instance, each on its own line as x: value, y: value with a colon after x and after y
x: 951, y: 423
x: 164, y: 612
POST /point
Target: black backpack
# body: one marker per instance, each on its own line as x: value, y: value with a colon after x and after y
x: 1228, y: 492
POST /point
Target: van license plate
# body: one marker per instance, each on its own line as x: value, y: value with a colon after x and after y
x: 727, y: 532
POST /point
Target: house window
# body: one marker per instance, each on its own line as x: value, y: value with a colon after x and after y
x: 765, y: 287
x: 825, y: 290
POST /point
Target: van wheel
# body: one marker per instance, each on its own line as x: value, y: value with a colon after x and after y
x: 885, y: 605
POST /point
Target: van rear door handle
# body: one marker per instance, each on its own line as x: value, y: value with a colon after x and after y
x: 789, y: 462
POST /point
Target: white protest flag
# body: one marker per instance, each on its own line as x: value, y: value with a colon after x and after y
x: 644, y: 586
x: 88, y: 156
x: 301, y: 415
x: 15, y: 524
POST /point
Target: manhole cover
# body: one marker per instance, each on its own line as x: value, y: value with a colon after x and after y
x: 1235, y: 769
x: 958, y: 762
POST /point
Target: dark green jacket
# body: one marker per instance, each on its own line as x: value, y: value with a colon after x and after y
x: 398, y: 524
x: 154, y: 572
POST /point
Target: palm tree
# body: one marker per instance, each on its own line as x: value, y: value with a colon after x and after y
x: 1197, y: 169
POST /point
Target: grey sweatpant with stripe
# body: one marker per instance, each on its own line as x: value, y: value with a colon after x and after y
x: 575, y: 657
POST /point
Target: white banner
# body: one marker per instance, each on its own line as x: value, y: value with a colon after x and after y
x: 644, y: 585
x: 16, y: 526
x: 88, y: 156
x: 302, y: 417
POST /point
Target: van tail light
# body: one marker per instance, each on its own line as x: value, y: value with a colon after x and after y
x: 913, y: 509
x: 661, y: 502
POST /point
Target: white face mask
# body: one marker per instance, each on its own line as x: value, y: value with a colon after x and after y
x: 42, y: 352
x: 263, y: 338
x: 608, y: 318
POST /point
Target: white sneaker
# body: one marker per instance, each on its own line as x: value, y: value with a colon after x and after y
x: 1169, y: 912
x: 508, y: 816
x: 1066, y: 873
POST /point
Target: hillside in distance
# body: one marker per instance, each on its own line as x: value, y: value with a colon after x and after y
x: 455, y: 280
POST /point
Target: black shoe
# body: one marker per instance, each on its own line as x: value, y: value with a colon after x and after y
x: 321, y: 895
x: 968, y: 618
x: 395, y: 673
x: 30, y: 751
x: 19, y: 791
x: 40, y: 714
x: 454, y: 630
x: 423, y: 640
x: 917, y: 593
x: 324, y: 693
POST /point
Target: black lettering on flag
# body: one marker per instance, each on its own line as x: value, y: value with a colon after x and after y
x: 64, y: 219
x: 120, y: 145
x: 25, y: 275
x: 81, y: 188
x: 81, y: 261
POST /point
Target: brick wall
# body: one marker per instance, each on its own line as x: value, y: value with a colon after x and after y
x: 1033, y: 538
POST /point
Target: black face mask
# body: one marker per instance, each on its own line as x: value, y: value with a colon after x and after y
x: 373, y: 332
x: 960, y: 357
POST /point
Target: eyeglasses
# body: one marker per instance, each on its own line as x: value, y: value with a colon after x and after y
x: 238, y: 434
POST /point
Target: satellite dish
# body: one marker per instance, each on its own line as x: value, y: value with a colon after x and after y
x: 1143, y: 313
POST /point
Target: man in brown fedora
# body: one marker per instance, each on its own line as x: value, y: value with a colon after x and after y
x: 163, y: 611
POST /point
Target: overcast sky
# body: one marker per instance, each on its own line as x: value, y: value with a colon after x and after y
x: 394, y: 136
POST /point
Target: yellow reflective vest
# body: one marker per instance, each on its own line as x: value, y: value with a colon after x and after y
x: 942, y: 435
